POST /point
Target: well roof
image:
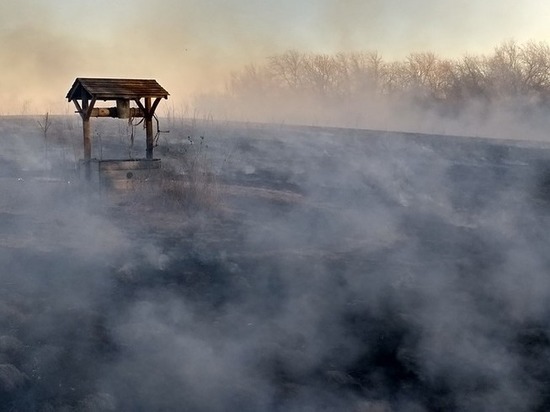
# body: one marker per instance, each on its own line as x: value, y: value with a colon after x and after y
x: 112, y: 89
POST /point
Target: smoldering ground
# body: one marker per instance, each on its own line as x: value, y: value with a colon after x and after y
x: 335, y: 269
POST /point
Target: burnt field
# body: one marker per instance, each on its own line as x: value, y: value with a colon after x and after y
x: 275, y: 268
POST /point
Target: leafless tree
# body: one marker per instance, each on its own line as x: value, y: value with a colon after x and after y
x: 321, y: 74
x: 45, y: 125
x: 471, y: 78
x: 288, y: 69
x: 394, y: 79
x: 363, y: 72
x: 509, y: 72
x: 250, y: 82
x: 535, y: 60
x: 506, y: 71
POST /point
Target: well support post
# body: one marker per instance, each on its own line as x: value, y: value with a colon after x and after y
x: 149, y: 128
x: 86, y: 135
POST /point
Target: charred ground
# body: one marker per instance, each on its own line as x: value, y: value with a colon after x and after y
x: 324, y: 269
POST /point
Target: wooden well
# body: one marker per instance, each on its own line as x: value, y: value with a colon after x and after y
x: 146, y: 93
x: 126, y: 174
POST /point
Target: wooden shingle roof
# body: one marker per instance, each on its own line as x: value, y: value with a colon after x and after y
x: 112, y: 89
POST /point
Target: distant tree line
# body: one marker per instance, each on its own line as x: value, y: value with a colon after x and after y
x: 512, y: 71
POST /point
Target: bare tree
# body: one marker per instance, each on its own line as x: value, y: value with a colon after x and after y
x: 320, y: 70
x: 506, y: 71
x: 511, y: 71
x: 472, y: 78
x: 252, y: 81
x: 535, y: 61
x: 288, y: 69
x: 394, y: 78
x: 45, y: 125
x: 443, y: 79
x: 420, y: 73
x: 365, y: 72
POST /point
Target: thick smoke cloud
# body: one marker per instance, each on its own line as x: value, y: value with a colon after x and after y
x: 334, y: 270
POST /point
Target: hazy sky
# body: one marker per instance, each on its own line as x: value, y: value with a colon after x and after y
x: 191, y: 45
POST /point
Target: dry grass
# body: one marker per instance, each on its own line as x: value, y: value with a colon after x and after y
x: 190, y: 181
x: 190, y: 191
x: 184, y: 184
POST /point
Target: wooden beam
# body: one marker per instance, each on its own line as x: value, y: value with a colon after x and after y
x: 87, y: 148
x: 86, y: 129
x: 138, y: 102
x: 78, y: 108
x: 90, y: 108
x: 149, y: 128
x: 151, y: 111
x: 155, y: 104
x: 104, y: 112
x: 113, y: 112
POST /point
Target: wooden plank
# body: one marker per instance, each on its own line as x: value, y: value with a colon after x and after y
x: 137, y: 164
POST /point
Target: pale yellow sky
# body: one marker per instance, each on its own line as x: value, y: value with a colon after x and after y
x: 190, y: 46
